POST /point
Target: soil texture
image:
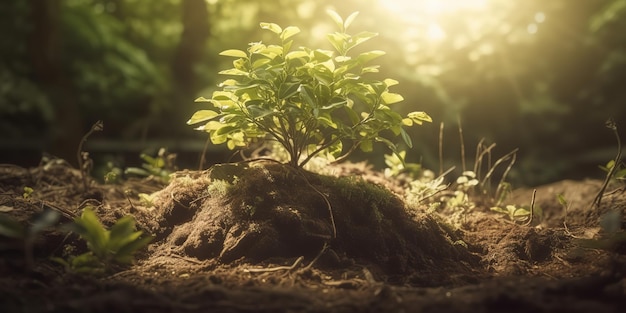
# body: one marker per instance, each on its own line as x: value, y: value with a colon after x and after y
x: 264, y: 237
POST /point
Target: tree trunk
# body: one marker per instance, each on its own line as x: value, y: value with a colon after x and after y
x: 195, y: 20
x: 46, y: 53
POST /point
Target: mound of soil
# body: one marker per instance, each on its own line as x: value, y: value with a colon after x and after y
x: 275, y: 211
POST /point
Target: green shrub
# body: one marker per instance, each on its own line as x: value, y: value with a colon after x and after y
x: 311, y: 101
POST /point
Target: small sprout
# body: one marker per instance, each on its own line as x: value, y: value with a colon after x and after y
x: 160, y: 166
x: 516, y: 214
x: 146, y: 200
x: 28, y: 191
x: 117, y: 245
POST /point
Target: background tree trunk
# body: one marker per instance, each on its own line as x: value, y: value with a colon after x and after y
x: 46, y: 53
x: 195, y: 20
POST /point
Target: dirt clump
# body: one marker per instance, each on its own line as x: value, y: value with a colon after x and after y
x: 272, y: 210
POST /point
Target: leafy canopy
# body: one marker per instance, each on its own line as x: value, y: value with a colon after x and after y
x: 312, y: 101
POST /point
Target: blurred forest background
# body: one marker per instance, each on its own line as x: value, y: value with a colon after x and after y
x: 541, y: 76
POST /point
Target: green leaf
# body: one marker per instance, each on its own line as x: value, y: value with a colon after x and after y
x: 338, y: 40
x: 289, y: 32
x: 233, y: 71
x: 361, y: 38
x: 126, y: 252
x: 272, y: 27
x: 307, y: 94
x: 499, y: 210
x: 419, y: 117
x: 92, y: 231
x: 368, y: 56
x: 298, y: 54
x: 390, y: 98
x: 234, y: 53
x: 226, y: 129
x: 387, y: 142
x: 210, y: 126
x: 120, y: 231
x: 336, y: 149
x: 258, y: 112
x: 350, y: 19
x: 366, y: 146
x: 322, y: 55
x: 201, y: 116
x: 370, y: 69
x: 335, y: 105
x: 406, y: 138
x: 202, y: 99
x: 287, y: 90
x: 390, y: 82
x: 336, y: 18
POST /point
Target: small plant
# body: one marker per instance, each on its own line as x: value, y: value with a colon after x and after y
x: 397, y: 166
x: 311, y: 101
x: 613, y: 169
x: 619, y: 174
x: 113, y: 174
x: 106, y: 247
x: 85, y: 163
x: 161, y: 166
x: 425, y: 187
x: 28, y: 191
x: 515, y: 213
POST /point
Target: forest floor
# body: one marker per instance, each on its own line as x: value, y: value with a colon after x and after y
x: 269, y: 239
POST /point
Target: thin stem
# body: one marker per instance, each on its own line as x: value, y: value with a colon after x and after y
x: 440, y: 148
x: 492, y: 168
x: 462, y: 144
x: 598, y: 199
x: 97, y: 126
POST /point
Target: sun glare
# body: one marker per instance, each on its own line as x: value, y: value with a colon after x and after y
x: 411, y: 8
x: 431, y: 14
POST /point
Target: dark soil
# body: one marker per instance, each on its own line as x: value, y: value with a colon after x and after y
x: 263, y: 237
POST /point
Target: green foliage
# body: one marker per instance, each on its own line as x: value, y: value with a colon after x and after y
x: 424, y: 187
x: 516, y: 214
x: 110, y: 66
x: 619, y: 173
x: 106, y: 247
x: 396, y: 166
x: 312, y: 101
x: 161, y: 166
x: 28, y: 191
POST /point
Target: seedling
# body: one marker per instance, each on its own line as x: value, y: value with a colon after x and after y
x: 28, y: 191
x: 515, y: 213
x: 311, y: 101
x: 613, y: 169
x: 161, y: 166
x: 619, y: 174
x: 396, y: 166
x: 106, y: 247
x: 84, y: 161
